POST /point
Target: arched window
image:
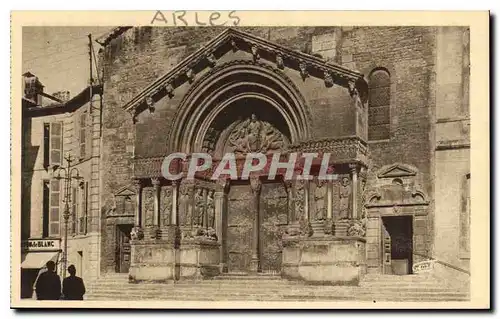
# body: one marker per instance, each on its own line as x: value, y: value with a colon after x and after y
x: 379, y: 94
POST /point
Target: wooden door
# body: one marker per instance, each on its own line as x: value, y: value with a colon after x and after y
x: 273, y: 208
x: 386, y: 250
x: 123, y: 248
x: 240, y: 221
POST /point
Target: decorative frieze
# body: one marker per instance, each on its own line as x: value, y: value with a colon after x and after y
x: 211, y: 59
x: 279, y: 61
x: 256, y: 45
x: 303, y: 70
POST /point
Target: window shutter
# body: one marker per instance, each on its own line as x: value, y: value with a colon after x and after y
x: 88, y: 130
x: 54, y: 215
x: 46, y: 144
x: 74, y: 209
x: 83, y: 135
x: 56, y: 143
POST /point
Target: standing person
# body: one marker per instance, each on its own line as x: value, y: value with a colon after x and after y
x: 73, y: 287
x: 48, y: 285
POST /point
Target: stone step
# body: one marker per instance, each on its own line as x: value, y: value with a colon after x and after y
x: 205, y: 286
x: 289, y: 297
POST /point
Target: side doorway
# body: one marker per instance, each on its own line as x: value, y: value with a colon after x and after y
x: 397, y: 245
x: 123, y: 247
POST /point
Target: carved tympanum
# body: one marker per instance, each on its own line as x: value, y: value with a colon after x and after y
x: 254, y: 135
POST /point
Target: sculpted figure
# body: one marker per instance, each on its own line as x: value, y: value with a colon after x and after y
x: 299, y: 200
x: 345, y: 192
x: 211, y: 209
x: 253, y: 134
x: 319, y: 197
x: 199, y: 207
x: 273, y: 140
x: 184, y: 219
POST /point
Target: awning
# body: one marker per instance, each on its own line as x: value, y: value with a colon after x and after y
x: 37, y: 260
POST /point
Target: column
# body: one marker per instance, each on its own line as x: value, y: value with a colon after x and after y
x: 307, y: 195
x: 175, y: 200
x: 329, y: 199
x: 156, y: 204
x: 354, y: 192
x: 138, y: 217
x: 256, y: 185
x: 220, y: 197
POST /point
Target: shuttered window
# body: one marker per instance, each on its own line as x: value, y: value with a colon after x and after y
x: 56, y: 143
x: 55, y: 210
x: 83, y: 135
x: 74, y: 209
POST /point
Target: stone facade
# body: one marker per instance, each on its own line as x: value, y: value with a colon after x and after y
x: 371, y: 96
x: 50, y: 133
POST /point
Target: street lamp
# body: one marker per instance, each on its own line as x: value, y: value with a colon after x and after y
x: 69, y: 173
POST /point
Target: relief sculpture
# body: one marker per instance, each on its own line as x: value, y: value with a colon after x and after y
x: 211, y: 209
x: 344, y: 194
x: 254, y: 135
x: 166, y: 204
x: 184, y: 219
x: 319, y: 198
x: 199, y: 207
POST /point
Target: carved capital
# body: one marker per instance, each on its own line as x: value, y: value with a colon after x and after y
x: 137, y: 185
x: 354, y: 168
x: 255, y: 183
x: 156, y: 182
x: 222, y: 184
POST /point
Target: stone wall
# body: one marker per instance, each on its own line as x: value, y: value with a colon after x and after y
x: 140, y: 55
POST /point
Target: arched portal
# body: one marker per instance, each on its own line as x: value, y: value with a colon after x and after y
x: 244, y: 107
x: 243, y: 88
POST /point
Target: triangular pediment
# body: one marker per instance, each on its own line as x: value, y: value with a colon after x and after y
x: 125, y: 191
x: 397, y: 170
x: 259, y: 49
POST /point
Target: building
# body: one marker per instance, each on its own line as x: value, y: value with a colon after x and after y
x: 388, y: 103
x: 55, y: 126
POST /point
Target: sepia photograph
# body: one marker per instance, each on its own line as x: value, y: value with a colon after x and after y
x: 200, y: 158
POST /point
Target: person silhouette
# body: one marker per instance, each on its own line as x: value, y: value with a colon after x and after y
x: 73, y: 287
x: 48, y: 285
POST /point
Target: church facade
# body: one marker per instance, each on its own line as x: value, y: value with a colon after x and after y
x: 388, y: 104
x: 367, y: 96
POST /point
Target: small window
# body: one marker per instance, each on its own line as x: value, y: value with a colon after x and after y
x: 56, y: 140
x: 379, y: 94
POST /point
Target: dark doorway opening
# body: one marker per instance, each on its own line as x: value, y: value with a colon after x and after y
x: 400, y: 230
x: 122, y: 264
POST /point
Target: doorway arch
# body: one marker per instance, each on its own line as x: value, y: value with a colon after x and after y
x: 226, y: 86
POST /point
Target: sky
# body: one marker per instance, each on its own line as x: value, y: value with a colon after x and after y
x: 59, y: 56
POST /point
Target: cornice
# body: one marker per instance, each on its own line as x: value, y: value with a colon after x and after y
x: 231, y: 39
